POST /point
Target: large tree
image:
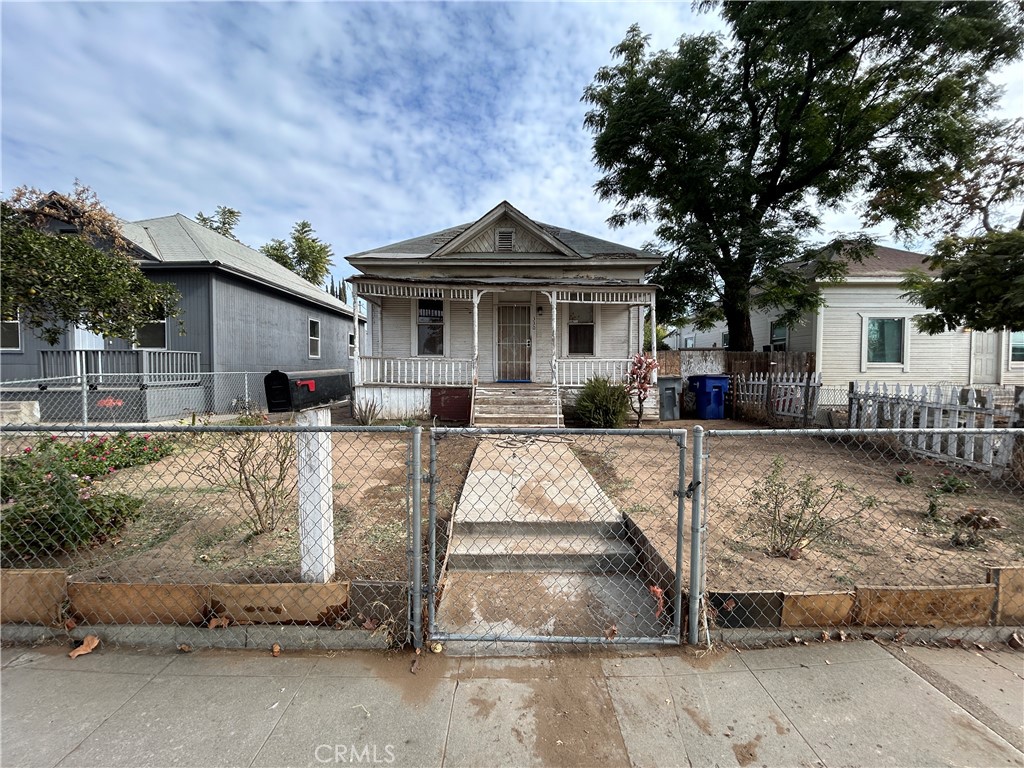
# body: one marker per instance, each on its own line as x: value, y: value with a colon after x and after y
x: 977, y: 279
x: 736, y: 145
x: 65, y: 263
x: 304, y: 253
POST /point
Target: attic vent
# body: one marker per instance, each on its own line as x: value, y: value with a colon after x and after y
x: 504, y: 239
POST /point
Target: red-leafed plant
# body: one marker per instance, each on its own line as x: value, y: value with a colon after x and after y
x: 639, y: 382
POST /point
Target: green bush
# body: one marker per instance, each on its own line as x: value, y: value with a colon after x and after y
x: 602, y: 404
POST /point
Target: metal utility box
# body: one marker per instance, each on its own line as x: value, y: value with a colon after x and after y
x: 305, y: 389
x: 669, y: 394
x: 710, y: 394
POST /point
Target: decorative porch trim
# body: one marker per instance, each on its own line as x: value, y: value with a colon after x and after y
x: 586, y: 296
x: 407, y: 291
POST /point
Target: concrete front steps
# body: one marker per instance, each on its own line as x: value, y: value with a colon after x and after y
x: 516, y: 405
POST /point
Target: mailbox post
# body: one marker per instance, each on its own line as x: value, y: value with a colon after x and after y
x: 309, y: 395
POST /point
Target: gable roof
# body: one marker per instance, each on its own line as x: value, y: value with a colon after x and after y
x: 178, y: 241
x: 564, y: 242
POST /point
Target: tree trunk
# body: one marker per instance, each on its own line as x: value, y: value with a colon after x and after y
x: 737, y: 318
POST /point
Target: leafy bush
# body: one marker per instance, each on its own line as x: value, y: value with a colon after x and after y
x: 602, y: 404
x: 56, y: 511
x: 947, y: 482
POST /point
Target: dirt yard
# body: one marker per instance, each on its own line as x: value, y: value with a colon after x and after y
x: 905, y: 536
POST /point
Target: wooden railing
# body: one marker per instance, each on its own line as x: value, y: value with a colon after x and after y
x: 574, y: 372
x: 425, y: 371
x: 127, y: 367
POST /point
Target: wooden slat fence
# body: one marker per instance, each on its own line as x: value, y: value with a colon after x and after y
x: 872, y: 405
x: 788, y: 394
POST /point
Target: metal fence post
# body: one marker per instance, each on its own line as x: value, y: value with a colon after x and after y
x: 85, y: 388
x: 677, y: 601
x: 696, y: 523
x: 416, y: 630
x: 432, y: 535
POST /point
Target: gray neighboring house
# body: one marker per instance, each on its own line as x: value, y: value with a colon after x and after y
x: 240, y: 312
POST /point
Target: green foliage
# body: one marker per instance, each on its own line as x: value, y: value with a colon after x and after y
x: 976, y: 282
x: 86, y: 278
x: 790, y: 514
x: 904, y: 476
x: 365, y: 411
x: 735, y: 145
x: 304, y: 254
x: 947, y: 482
x: 54, y: 502
x: 224, y: 220
x: 602, y: 404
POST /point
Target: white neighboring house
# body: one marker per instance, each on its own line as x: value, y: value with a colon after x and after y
x: 865, y: 332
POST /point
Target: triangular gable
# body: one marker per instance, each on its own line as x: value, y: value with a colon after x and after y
x: 502, y: 213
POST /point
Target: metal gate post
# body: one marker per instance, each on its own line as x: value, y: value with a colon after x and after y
x: 416, y: 630
x: 432, y: 536
x: 677, y: 600
x: 696, y: 523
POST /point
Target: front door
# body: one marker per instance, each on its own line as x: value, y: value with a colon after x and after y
x: 514, y: 342
x: 986, y: 357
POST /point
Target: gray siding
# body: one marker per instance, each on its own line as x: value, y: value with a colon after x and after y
x: 258, y: 330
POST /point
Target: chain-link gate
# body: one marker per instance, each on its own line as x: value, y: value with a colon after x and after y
x: 886, y: 531
x: 556, y: 536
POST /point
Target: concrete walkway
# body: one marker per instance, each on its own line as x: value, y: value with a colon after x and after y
x: 855, y: 703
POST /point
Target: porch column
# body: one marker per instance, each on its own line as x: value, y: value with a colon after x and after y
x: 476, y: 337
x: 640, y: 329
x: 357, y: 372
x: 554, y: 337
x: 654, y: 340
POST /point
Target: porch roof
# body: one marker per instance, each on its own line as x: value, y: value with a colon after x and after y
x: 600, y: 291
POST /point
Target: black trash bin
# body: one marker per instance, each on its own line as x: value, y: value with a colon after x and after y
x: 710, y: 394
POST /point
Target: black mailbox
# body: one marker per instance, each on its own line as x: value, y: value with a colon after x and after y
x: 306, y: 389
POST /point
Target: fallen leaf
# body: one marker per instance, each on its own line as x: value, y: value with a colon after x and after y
x: 275, y: 650
x: 611, y: 631
x: 415, y: 664
x: 825, y: 636
x: 370, y: 624
x: 842, y: 636
x: 216, y: 621
x: 185, y: 648
x: 659, y: 595
x: 70, y: 624
x: 89, y: 643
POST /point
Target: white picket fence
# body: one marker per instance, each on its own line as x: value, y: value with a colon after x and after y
x: 880, y: 406
x: 793, y: 395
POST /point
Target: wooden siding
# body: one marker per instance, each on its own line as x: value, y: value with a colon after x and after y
x: 930, y: 359
x: 397, y: 402
x: 524, y: 241
x: 258, y: 330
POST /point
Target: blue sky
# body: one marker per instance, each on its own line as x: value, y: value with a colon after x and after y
x: 374, y: 121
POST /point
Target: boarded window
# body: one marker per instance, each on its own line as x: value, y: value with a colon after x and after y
x: 430, y: 327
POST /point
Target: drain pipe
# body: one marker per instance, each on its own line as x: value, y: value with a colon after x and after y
x: 417, y: 541
x: 695, y: 534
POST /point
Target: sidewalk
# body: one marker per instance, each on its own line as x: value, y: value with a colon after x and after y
x: 855, y: 703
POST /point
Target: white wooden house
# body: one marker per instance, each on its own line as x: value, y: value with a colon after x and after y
x: 504, y: 305
x: 865, y: 331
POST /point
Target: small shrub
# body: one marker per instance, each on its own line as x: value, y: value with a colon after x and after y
x: 365, y: 411
x: 791, y: 514
x: 904, y: 476
x: 602, y: 404
x: 950, y: 483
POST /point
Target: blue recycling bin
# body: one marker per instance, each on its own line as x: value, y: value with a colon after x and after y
x: 710, y: 395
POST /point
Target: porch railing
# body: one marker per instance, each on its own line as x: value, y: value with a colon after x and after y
x: 575, y: 372
x: 127, y: 367
x: 425, y: 371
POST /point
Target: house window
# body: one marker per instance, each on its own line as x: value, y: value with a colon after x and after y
x: 314, y: 338
x: 1017, y: 346
x: 581, y: 329
x: 151, y: 335
x: 10, y: 334
x: 725, y: 340
x: 430, y: 327
x: 780, y: 337
x: 885, y: 339
x: 689, y: 342
x: 351, y: 344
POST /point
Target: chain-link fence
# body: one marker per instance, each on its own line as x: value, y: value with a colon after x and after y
x: 886, y: 529
x: 555, y: 535
x: 225, y: 528
x: 131, y: 398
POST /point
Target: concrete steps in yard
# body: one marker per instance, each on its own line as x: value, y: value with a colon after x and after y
x: 516, y: 406
x: 538, y: 550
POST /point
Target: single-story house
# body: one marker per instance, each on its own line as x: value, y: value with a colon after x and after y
x: 504, y: 308
x: 240, y: 312
x: 864, y: 332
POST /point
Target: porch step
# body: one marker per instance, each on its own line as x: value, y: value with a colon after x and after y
x: 516, y: 406
x: 514, y: 551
